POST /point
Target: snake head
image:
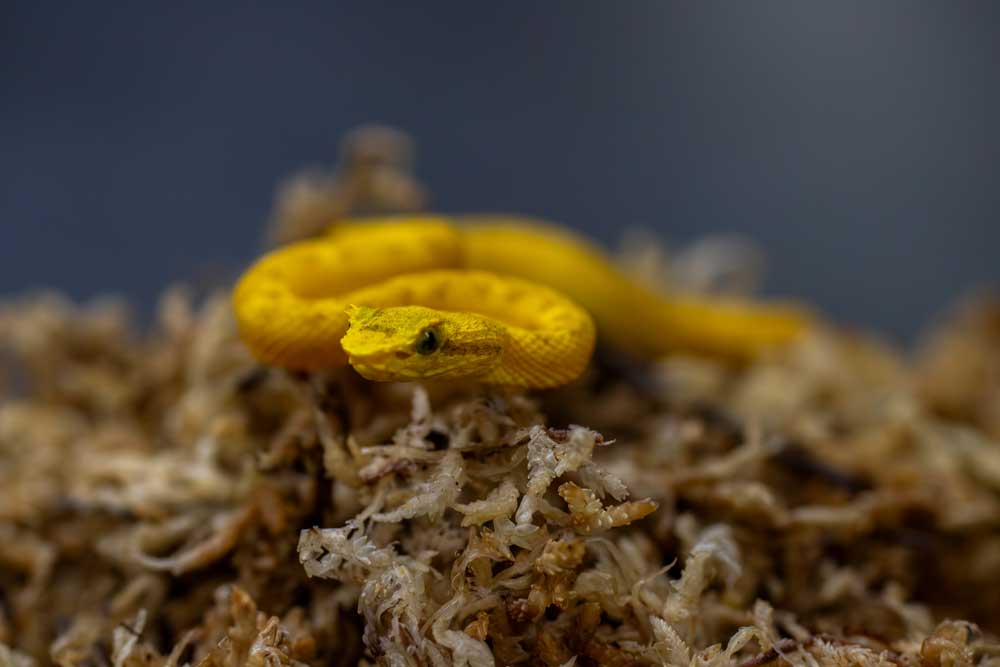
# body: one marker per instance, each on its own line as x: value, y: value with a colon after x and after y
x: 405, y: 343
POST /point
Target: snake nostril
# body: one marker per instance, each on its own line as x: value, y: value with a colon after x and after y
x: 402, y: 355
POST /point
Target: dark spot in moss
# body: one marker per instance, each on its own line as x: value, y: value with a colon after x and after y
x: 438, y: 439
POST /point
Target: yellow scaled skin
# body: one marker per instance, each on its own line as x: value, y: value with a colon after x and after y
x: 389, y: 281
x: 499, y: 295
x: 629, y: 316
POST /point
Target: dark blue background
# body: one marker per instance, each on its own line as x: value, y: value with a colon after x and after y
x: 857, y: 141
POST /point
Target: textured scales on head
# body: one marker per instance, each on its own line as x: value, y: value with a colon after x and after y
x: 413, y: 343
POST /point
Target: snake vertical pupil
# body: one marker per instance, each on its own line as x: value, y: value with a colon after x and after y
x: 429, y: 342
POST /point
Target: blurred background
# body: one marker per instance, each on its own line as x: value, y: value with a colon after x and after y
x: 856, y: 142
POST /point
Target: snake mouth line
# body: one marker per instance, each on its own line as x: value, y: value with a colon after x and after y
x: 379, y: 358
x: 380, y: 373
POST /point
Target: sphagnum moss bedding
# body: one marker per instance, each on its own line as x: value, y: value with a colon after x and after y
x: 164, y: 500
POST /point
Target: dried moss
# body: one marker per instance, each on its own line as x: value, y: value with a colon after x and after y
x: 165, y: 501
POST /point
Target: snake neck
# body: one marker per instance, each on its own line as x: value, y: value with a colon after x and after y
x: 542, y: 359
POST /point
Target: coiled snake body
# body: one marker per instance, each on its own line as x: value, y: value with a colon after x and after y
x: 501, y: 301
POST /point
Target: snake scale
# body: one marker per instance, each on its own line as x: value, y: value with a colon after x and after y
x: 504, y: 301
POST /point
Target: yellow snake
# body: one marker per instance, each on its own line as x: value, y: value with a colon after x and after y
x: 504, y: 301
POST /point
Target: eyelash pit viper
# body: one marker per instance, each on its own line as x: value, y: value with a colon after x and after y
x: 504, y: 301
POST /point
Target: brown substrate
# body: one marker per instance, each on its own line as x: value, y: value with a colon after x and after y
x: 164, y: 500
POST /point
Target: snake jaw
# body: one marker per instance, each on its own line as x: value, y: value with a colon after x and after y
x: 375, y: 369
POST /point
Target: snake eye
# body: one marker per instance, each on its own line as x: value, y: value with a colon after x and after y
x: 429, y: 341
